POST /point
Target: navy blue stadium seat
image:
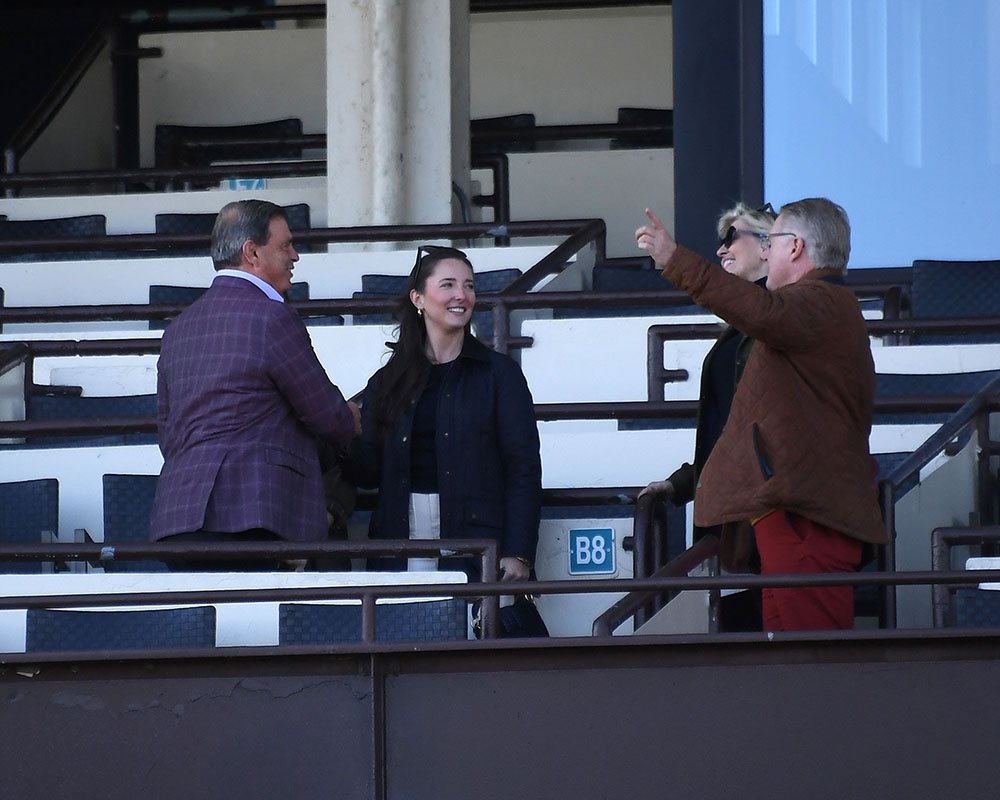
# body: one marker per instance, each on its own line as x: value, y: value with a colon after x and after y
x: 395, y: 286
x: 199, y: 223
x: 128, y: 502
x: 626, y: 277
x: 169, y: 153
x: 65, y: 407
x: 977, y: 608
x: 61, y: 228
x: 951, y: 383
x: 646, y: 116
x: 512, y: 122
x: 955, y: 289
x: 52, y: 630
x: 185, y: 295
x: 28, y: 511
x: 422, y: 621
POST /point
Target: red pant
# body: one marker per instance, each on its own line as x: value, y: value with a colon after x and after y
x: 791, y: 545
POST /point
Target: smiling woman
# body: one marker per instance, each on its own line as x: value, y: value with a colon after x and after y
x: 448, y: 428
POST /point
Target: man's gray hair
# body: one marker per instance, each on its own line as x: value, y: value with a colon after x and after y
x: 826, y: 229
x: 238, y: 222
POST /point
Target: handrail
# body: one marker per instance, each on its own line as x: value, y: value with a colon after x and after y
x: 591, y: 231
x: 13, y: 356
x: 54, y: 99
x: 575, y: 229
x: 942, y: 540
x: 650, y: 530
x: 644, y: 409
x: 480, y: 135
x: 662, y: 332
x: 705, y: 549
x: 102, y: 553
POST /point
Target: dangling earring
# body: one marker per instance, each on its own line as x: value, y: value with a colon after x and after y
x: 420, y: 312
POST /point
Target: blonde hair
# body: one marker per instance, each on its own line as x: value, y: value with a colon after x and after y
x: 759, y: 220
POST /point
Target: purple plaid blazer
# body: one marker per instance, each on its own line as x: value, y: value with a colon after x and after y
x: 241, y: 399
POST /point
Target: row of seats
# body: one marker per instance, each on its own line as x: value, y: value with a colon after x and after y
x: 193, y: 224
x: 54, y: 630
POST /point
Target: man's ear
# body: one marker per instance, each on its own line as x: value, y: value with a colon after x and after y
x: 249, y: 252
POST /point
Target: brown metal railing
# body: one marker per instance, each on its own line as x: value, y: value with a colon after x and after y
x: 100, y: 554
x: 943, y: 540
x: 579, y: 231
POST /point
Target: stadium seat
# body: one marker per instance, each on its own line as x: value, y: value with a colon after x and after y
x: 976, y: 608
x: 198, y: 223
x: 395, y: 286
x: 29, y: 514
x: 51, y: 630
x: 65, y: 407
x: 128, y: 502
x: 515, y: 144
x: 168, y: 140
x: 639, y: 116
x: 955, y: 289
x: 59, y: 228
x: 626, y: 277
x: 421, y: 621
x: 951, y: 383
x: 185, y: 295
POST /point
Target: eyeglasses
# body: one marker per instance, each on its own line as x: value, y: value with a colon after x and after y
x: 733, y: 234
x: 440, y: 252
x: 765, y: 240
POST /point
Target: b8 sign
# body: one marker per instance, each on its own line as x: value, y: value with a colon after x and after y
x: 591, y: 551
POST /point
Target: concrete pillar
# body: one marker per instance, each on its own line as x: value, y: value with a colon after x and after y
x: 397, y: 110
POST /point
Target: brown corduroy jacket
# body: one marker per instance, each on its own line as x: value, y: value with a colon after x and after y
x: 797, y: 434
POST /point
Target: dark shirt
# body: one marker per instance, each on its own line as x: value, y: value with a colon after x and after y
x: 423, y: 442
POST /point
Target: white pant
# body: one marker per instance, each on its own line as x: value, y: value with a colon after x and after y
x: 425, y: 523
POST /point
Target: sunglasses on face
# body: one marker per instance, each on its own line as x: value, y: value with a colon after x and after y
x: 733, y: 234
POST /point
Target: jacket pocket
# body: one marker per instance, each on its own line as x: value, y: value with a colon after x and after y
x: 283, y: 458
x: 758, y: 449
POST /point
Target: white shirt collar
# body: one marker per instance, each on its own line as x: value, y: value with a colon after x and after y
x: 265, y: 287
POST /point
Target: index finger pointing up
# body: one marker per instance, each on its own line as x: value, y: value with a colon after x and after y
x: 657, y: 225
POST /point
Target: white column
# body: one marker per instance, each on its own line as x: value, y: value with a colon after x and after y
x: 397, y: 110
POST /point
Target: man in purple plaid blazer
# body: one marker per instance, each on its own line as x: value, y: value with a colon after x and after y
x: 242, y: 398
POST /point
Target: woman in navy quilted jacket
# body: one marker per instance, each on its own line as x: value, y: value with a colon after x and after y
x: 448, y: 428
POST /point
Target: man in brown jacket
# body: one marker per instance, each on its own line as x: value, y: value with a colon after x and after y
x: 793, y: 457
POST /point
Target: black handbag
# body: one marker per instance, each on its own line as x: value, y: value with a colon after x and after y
x: 520, y: 619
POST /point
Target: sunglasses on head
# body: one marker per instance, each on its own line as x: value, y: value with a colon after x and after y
x: 439, y: 252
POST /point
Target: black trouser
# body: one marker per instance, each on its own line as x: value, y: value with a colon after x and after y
x: 225, y: 564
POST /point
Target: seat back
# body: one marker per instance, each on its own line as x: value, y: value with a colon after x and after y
x: 395, y: 286
x: 950, y: 383
x: 28, y: 511
x: 128, y: 503
x: 59, y: 228
x: 955, y: 289
x: 202, y: 223
x: 52, y: 630
x: 420, y: 621
x: 160, y: 294
x: 168, y: 139
x: 60, y: 407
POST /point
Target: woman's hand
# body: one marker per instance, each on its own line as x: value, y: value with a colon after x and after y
x: 665, y: 488
x: 514, y: 569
